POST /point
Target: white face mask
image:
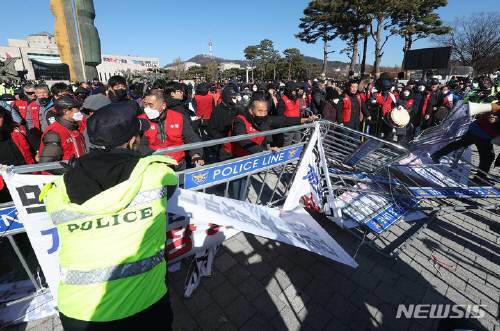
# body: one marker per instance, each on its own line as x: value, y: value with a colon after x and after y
x: 78, y: 116
x: 421, y: 88
x: 151, y: 113
x: 406, y: 93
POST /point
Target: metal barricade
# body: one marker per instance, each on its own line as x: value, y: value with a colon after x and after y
x: 267, y: 185
x: 375, y: 192
x: 353, y: 150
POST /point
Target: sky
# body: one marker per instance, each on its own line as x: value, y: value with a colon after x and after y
x: 169, y: 29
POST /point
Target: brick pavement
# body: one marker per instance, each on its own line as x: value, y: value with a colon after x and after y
x: 265, y: 285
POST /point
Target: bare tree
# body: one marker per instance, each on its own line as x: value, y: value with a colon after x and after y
x: 475, y: 41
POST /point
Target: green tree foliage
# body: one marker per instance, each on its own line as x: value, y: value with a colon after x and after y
x: 317, y: 24
x: 417, y: 19
x: 264, y: 57
x: 294, y: 62
x: 251, y: 54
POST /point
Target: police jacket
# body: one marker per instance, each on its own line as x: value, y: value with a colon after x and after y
x: 110, y: 214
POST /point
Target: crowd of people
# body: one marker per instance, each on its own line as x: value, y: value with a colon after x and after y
x: 42, y: 124
x: 110, y: 206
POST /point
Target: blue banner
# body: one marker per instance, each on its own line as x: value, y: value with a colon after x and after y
x: 364, y: 176
x: 8, y: 220
x: 388, y: 216
x: 363, y: 150
x: 250, y: 164
x: 454, y: 192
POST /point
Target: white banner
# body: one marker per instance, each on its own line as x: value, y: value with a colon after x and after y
x: 295, y: 227
x: 192, y: 226
x: 310, y: 187
x: 25, y: 190
x: 185, y: 237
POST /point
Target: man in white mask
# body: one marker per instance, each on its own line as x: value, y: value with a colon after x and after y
x: 168, y: 128
x: 63, y: 140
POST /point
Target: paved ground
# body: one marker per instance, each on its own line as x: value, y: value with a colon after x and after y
x: 261, y: 284
x: 264, y: 285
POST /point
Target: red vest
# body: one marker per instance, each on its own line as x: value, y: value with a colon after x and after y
x: 22, y: 106
x: 72, y: 141
x: 174, y: 122
x: 19, y: 139
x: 365, y: 96
x: 217, y: 95
x: 235, y: 148
x: 347, y: 108
x: 292, y: 109
x: 387, y: 104
x: 484, y: 123
x: 426, y: 101
x: 204, y: 105
x: 408, y: 104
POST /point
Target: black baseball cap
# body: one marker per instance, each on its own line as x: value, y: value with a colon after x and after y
x: 115, y: 124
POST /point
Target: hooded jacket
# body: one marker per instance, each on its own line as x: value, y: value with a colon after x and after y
x: 99, y: 187
x: 223, y: 116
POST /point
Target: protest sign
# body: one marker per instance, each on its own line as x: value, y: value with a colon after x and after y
x: 192, y: 228
x: 311, y: 184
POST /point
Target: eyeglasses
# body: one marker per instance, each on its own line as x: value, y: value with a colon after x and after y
x: 30, y: 93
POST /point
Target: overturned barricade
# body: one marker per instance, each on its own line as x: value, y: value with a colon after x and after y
x: 263, y: 178
x: 386, y: 194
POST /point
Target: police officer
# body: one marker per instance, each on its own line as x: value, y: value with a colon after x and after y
x: 110, y: 213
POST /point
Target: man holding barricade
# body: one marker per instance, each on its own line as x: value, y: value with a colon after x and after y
x: 110, y: 213
x: 256, y: 119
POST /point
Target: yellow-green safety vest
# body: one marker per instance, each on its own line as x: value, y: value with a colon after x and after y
x: 112, y: 246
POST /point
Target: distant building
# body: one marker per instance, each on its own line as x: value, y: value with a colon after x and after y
x: 186, y: 65
x: 36, y: 49
x: 39, y: 56
x: 115, y: 64
x: 229, y: 65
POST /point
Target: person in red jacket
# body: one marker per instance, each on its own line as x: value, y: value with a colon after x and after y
x: 255, y: 119
x: 168, y: 128
x: 288, y: 106
x: 481, y: 132
x: 204, y: 104
x: 351, y: 107
x: 216, y: 92
x: 386, y: 101
x: 14, y: 148
x: 62, y: 140
x: 29, y: 110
